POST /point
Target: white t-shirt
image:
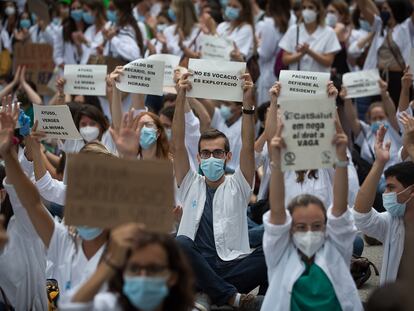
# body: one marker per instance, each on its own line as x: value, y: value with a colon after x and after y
x: 243, y: 37
x: 323, y: 40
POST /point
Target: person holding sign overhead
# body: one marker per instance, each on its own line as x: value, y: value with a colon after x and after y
x: 213, y: 229
x: 306, y: 245
x: 310, y: 45
x: 146, y: 271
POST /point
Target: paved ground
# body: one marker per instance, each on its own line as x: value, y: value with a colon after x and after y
x: 373, y: 253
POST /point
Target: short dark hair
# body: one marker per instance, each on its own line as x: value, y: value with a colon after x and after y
x: 403, y: 172
x: 303, y: 200
x: 212, y: 134
x: 93, y: 113
x: 168, y: 112
x: 401, y: 9
x: 262, y: 110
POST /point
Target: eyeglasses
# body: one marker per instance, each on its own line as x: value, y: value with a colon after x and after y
x: 217, y: 153
x: 316, y: 226
x: 150, y: 270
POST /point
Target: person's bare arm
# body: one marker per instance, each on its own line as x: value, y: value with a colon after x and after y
x: 181, y: 162
x: 291, y: 58
x: 389, y: 105
x: 8, y: 89
x: 31, y: 94
x: 202, y: 113
x: 406, y: 85
x: 350, y: 112
x: 408, y: 137
x: 325, y: 59
x: 366, y: 194
x: 116, y: 107
x: 272, y: 113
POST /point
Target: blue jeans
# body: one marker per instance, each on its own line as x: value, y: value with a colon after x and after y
x: 255, y: 233
x: 221, y: 280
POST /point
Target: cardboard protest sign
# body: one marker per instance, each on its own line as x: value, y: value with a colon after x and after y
x: 217, y: 48
x: 303, y: 83
x: 56, y: 122
x: 218, y: 80
x: 105, y: 192
x: 85, y: 80
x: 171, y: 62
x: 142, y: 76
x: 40, y: 8
x: 308, y: 132
x: 361, y: 83
x: 38, y: 60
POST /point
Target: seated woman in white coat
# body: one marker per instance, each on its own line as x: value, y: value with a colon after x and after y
x: 308, y: 250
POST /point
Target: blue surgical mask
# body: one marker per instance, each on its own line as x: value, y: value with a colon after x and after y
x: 148, y: 137
x: 171, y: 15
x: 111, y: 15
x: 391, y: 205
x: 145, y: 293
x: 25, y: 23
x: 225, y: 112
x: 161, y: 27
x: 212, y: 168
x: 88, y: 18
x: 376, y: 125
x: 88, y: 233
x: 224, y: 3
x: 364, y: 25
x: 76, y: 15
x: 141, y: 18
x: 232, y: 13
x: 56, y: 21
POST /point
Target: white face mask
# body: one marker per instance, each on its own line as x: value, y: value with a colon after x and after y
x: 89, y: 133
x: 309, y: 242
x: 309, y: 16
x: 331, y: 19
x: 10, y: 11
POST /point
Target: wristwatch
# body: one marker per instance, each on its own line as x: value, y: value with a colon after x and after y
x: 248, y: 111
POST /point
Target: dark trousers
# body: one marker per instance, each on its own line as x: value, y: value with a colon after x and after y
x: 221, y: 280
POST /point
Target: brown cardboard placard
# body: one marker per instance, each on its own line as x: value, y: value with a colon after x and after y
x: 40, y: 8
x: 106, y: 192
x: 38, y: 60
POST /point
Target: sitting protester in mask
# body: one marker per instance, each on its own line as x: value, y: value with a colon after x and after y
x: 308, y: 249
x: 379, y: 113
x: 387, y: 227
x: 145, y: 271
x: 213, y: 230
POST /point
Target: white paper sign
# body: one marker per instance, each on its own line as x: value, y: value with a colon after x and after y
x: 361, y: 83
x: 218, y: 80
x: 85, y: 79
x: 308, y: 132
x: 171, y: 62
x: 217, y: 48
x: 303, y: 83
x: 56, y: 122
x: 412, y: 61
x: 142, y: 76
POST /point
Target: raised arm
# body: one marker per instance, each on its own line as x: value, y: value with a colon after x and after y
x: 31, y: 94
x: 202, y: 113
x: 340, y: 187
x: 181, y: 162
x: 247, y: 163
x: 25, y: 189
x: 406, y: 85
x: 368, y: 9
x: 271, y: 117
x: 277, y: 181
x: 389, y: 105
x: 366, y: 194
x: 350, y: 112
x: 116, y: 106
x: 59, y: 98
x: 8, y: 89
x: 408, y: 136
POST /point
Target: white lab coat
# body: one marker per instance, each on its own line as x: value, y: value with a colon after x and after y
x: 229, y: 212
x: 173, y: 39
x: 243, y: 37
x: 192, y: 136
x: 65, y: 52
x: 23, y: 261
x: 94, y: 39
x: 401, y: 35
x: 323, y: 40
x: 124, y: 45
x: 41, y: 36
x: 51, y: 189
x: 388, y: 230
x: 285, y: 266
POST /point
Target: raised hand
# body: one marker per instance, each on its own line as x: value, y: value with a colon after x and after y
x: 32, y: 142
x: 60, y: 85
x: 343, y: 93
x: 16, y: 77
x: 115, y: 75
x: 248, y: 90
x: 383, y: 86
x: 8, y: 118
x: 407, y: 79
x: 126, y: 138
x: 408, y: 136
x: 184, y: 84
x: 382, y: 150
x: 275, y: 92
x: 340, y: 141
x: 235, y: 54
x: 22, y: 77
x: 332, y: 90
x: 277, y: 143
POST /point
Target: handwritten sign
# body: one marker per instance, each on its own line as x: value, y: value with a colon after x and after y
x: 105, y: 192
x: 361, y: 83
x: 142, y: 76
x: 85, y: 80
x: 303, y: 83
x: 217, y: 48
x: 218, y: 80
x: 308, y: 133
x: 38, y: 60
x: 171, y: 62
x: 56, y: 122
